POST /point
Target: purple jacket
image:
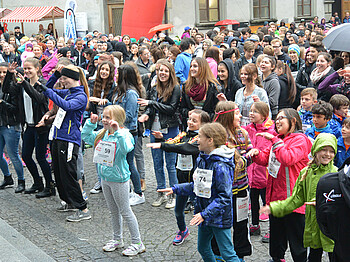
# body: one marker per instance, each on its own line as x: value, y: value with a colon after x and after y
x: 327, y: 83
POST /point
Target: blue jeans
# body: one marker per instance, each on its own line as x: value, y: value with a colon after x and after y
x: 10, y: 138
x: 170, y: 159
x: 134, y: 176
x: 223, y: 238
x: 31, y: 140
x: 179, y: 211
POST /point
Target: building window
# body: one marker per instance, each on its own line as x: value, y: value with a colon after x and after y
x: 304, y: 8
x: 261, y: 9
x: 208, y: 11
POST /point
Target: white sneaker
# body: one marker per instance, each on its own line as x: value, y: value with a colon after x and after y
x: 96, y: 189
x: 137, y: 199
x: 134, y: 249
x: 113, y: 245
x: 160, y: 199
x: 171, y: 202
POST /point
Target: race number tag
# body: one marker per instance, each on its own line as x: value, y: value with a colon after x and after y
x: 305, y: 127
x: 184, y: 162
x: 105, y: 153
x: 242, y: 208
x: 51, y: 133
x: 59, y: 118
x: 70, y: 151
x: 245, y: 121
x: 157, y: 127
x: 274, y: 165
x: 202, y: 180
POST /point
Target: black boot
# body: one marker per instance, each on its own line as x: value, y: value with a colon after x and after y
x: 8, y: 181
x: 38, y: 186
x: 20, y: 187
x: 48, y: 191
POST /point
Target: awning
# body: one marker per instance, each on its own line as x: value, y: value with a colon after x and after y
x: 33, y: 14
x: 4, y: 12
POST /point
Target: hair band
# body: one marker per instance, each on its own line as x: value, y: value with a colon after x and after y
x: 70, y: 73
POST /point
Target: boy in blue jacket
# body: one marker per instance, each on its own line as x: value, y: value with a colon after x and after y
x: 343, y: 144
x: 308, y: 98
x: 212, y: 184
x: 340, y: 105
x: 321, y: 115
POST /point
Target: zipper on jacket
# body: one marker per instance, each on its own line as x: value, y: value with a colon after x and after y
x: 70, y: 123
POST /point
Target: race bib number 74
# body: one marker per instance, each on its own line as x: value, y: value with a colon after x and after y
x: 202, y: 181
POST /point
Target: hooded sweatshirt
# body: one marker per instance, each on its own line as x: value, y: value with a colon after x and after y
x: 232, y: 83
x: 216, y: 210
x: 272, y: 87
x: 305, y: 191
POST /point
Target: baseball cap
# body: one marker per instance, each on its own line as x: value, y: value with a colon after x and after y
x: 254, y: 38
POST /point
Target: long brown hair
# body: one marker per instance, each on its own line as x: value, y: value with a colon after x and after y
x: 205, y: 75
x: 98, y: 87
x: 214, y: 53
x: 165, y: 90
x: 251, y: 70
x: 292, y: 89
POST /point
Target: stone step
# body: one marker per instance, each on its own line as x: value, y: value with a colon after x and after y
x: 15, y: 247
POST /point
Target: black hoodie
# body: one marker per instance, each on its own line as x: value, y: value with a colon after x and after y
x: 333, y: 211
x: 232, y: 83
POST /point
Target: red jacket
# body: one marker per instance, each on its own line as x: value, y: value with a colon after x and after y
x: 292, y: 152
x: 257, y: 174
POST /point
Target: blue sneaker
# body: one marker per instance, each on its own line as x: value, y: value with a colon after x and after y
x: 219, y: 258
x: 180, y: 237
x: 146, y: 133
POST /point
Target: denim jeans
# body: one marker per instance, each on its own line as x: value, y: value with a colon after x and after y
x: 223, y: 237
x: 170, y: 159
x: 31, y: 140
x: 134, y: 176
x: 179, y: 211
x: 139, y: 157
x: 10, y: 137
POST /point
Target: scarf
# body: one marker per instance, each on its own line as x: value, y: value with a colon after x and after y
x: 344, y: 89
x: 197, y: 92
x: 320, y: 130
x: 316, y: 75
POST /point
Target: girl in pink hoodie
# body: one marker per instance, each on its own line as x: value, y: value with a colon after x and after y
x: 257, y: 174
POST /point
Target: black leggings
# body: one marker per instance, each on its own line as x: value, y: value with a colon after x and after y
x: 254, y: 199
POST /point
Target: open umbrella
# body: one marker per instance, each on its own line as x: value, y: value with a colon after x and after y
x: 160, y: 28
x: 227, y: 22
x: 338, y: 38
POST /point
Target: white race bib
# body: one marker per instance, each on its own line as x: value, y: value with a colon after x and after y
x: 105, y: 153
x: 59, y: 118
x: 305, y: 126
x: 156, y: 125
x: 184, y: 162
x: 245, y: 121
x: 242, y: 208
x: 274, y: 165
x: 202, y: 180
x: 51, y: 133
x: 70, y: 151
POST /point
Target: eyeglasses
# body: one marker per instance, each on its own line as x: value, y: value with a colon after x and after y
x: 276, y: 47
x: 280, y: 118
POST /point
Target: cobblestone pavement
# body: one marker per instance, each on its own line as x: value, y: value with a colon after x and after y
x: 37, y: 220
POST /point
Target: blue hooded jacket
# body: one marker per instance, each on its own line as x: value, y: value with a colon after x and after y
x: 217, y: 210
x: 336, y: 124
x: 342, y: 153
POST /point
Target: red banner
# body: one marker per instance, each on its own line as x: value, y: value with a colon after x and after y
x: 139, y: 16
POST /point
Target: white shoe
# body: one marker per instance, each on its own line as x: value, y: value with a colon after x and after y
x: 96, y: 189
x: 160, y: 199
x: 113, y: 245
x: 134, y: 249
x: 137, y: 199
x: 171, y: 202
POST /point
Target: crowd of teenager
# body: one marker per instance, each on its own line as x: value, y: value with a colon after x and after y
x: 237, y: 119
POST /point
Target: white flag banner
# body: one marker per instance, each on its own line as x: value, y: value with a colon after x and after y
x: 70, y: 30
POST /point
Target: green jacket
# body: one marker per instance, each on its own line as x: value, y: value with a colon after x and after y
x: 305, y: 191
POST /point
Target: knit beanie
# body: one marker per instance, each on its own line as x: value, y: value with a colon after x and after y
x: 295, y: 48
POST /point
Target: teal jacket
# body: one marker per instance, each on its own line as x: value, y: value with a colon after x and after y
x: 124, y: 144
x: 305, y: 191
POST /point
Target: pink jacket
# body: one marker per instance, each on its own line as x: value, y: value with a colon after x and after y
x: 292, y: 152
x: 213, y: 66
x: 51, y: 64
x: 257, y: 174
